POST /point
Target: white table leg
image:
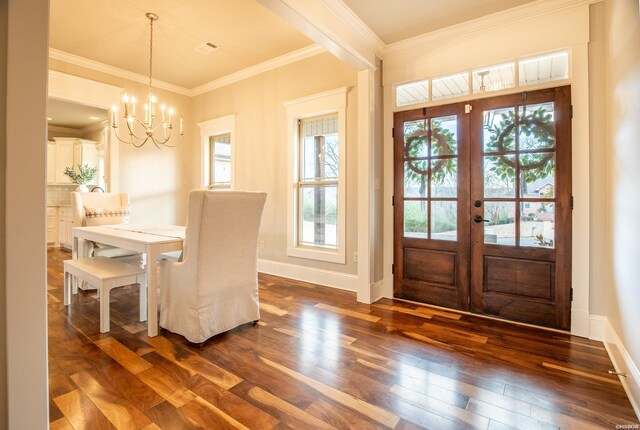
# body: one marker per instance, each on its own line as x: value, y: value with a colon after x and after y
x: 152, y: 292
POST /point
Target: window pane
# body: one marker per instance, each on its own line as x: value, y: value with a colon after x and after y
x: 536, y: 127
x: 444, y: 135
x: 415, y: 139
x: 444, y: 220
x: 415, y: 178
x: 494, y: 78
x: 501, y: 227
x: 413, y: 93
x: 319, y: 209
x: 537, y: 175
x: 319, y: 148
x: 537, y: 224
x: 500, y: 176
x: 444, y: 177
x: 543, y: 69
x: 498, y: 133
x: 415, y: 219
x: 450, y: 86
x: 222, y: 172
x: 220, y: 146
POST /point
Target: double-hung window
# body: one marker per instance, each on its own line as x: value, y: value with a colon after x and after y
x: 316, y: 201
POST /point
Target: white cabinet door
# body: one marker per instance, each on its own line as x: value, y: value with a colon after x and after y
x: 65, y: 232
x: 52, y: 226
x: 64, y: 158
x: 51, y: 163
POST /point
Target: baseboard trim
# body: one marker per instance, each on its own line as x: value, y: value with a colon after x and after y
x: 597, y: 324
x: 328, y: 278
x: 623, y: 363
x: 377, y: 291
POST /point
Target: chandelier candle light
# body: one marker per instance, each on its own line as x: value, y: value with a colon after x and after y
x: 159, y: 134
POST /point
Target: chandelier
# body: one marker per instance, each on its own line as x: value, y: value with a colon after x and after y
x: 148, y: 128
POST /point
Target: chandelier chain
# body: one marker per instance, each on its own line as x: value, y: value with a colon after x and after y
x: 151, y: 52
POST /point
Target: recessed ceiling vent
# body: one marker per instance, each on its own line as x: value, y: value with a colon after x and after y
x: 206, y: 48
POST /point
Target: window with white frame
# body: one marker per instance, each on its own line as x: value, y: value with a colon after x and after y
x: 217, y: 141
x: 316, y: 201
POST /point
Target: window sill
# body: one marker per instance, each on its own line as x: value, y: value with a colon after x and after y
x: 317, y: 254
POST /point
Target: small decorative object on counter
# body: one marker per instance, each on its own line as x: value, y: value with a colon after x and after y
x: 84, y: 174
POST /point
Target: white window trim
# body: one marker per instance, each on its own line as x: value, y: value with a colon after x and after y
x: 215, y: 127
x: 334, y: 101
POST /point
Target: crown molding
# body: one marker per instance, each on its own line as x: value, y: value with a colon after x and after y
x: 265, y: 66
x: 495, y: 20
x: 115, y: 71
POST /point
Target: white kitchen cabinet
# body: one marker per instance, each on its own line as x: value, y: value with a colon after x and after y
x: 52, y: 226
x: 68, y: 152
x: 65, y: 224
x: 51, y: 164
x: 64, y: 158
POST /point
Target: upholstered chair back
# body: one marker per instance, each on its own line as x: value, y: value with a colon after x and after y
x: 215, y: 286
x: 95, y: 200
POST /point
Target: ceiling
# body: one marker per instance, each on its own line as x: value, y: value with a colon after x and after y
x: 73, y: 115
x: 116, y: 33
x: 396, y: 20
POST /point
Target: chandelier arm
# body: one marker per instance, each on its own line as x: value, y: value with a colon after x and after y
x: 136, y: 143
x: 132, y: 133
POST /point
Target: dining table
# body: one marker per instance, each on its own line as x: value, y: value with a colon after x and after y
x: 149, y: 240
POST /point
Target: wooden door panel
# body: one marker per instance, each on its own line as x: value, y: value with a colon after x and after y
x: 440, y: 270
x: 519, y: 277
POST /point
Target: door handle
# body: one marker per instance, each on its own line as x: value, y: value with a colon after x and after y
x: 478, y: 218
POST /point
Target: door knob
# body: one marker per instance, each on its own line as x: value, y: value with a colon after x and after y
x: 478, y: 218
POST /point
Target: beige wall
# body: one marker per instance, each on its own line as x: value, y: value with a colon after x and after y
x: 599, y: 273
x: 3, y: 219
x: 260, y: 150
x: 622, y: 23
x: 24, y: 213
x: 154, y: 179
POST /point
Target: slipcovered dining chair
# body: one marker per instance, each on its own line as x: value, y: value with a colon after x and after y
x: 215, y: 286
x: 93, y: 209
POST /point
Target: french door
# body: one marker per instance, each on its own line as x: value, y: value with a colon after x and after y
x: 482, y: 206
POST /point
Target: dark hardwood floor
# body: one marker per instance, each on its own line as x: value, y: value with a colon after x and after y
x: 318, y: 359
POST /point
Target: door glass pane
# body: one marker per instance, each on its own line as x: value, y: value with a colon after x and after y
x: 415, y: 139
x: 500, y: 227
x: 500, y: 176
x: 537, y: 175
x: 536, y: 127
x: 444, y: 135
x: 415, y: 178
x: 444, y: 177
x: 444, y: 220
x: 415, y: 218
x: 498, y: 130
x: 319, y: 209
x: 537, y: 224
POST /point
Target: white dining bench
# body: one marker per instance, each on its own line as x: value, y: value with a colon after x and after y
x: 105, y: 274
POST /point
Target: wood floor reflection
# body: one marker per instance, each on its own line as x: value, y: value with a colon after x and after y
x: 319, y: 360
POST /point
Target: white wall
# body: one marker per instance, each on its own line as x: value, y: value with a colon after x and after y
x: 622, y: 25
x: 260, y: 153
x: 26, y: 282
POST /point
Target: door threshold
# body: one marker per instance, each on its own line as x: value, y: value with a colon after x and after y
x: 489, y: 317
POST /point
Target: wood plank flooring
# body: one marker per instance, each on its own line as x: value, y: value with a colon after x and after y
x: 320, y: 360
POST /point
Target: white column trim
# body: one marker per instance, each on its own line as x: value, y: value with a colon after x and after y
x: 366, y: 99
